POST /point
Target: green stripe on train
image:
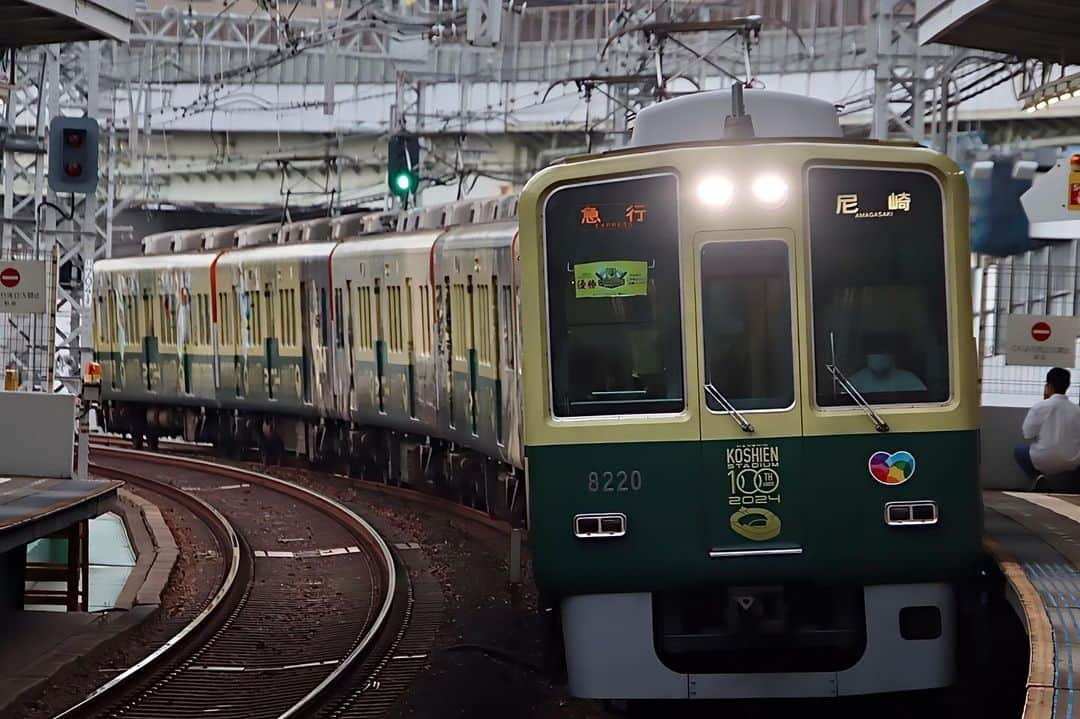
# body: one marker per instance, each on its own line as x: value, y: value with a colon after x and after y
x: 814, y: 494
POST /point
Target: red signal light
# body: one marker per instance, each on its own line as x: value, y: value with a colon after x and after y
x: 73, y: 169
x: 73, y: 139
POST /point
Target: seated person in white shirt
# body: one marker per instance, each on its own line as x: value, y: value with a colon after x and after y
x: 1053, y: 428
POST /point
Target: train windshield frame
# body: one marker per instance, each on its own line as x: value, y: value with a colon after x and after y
x: 879, y: 284
x: 614, y: 297
x: 746, y: 324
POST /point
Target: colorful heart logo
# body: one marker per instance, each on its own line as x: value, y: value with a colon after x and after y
x: 892, y: 469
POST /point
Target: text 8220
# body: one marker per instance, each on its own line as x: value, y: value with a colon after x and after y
x: 617, y: 481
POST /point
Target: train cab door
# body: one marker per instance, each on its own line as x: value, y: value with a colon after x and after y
x: 751, y: 428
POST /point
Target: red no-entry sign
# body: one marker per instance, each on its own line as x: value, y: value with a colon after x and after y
x: 1040, y: 331
x: 9, y: 277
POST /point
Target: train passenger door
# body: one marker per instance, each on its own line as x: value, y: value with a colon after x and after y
x: 470, y: 295
x: 497, y: 339
x: 271, y: 346
x: 446, y: 342
x: 410, y: 345
x: 305, y: 343
x: 380, y: 346
x: 151, y: 354
x: 751, y: 429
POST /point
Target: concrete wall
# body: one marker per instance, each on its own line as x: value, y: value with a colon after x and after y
x: 38, y: 436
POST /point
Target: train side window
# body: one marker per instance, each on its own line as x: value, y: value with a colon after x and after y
x: 198, y: 319
x: 457, y: 328
x: 410, y: 345
x: 193, y: 320
x: 746, y: 324
x: 148, y: 316
x: 339, y: 319
x: 163, y: 309
x: 292, y: 317
x: 481, y: 326
x: 324, y: 318
x: 508, y: 325
x: 204, y: 306
x: 284, y: 312
x: 223, y: 318
x: 496, y: 318
x: 614, y: 298
x: 363, y: 302
x: 239, y: 326
x: 267, y: 321
x: 256, y: 318
x: 470, y: 332
x: 878, y: 285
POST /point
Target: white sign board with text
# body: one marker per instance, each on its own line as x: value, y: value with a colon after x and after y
x: 22, y: 286
x: 1040, y: 340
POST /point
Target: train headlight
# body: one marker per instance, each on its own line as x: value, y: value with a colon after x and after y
x: 716, y: 191
x: 770, y: 190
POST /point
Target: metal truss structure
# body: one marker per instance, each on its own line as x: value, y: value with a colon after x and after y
x: 192, y: 68
x: 68, y: 231
x: 191, y: 71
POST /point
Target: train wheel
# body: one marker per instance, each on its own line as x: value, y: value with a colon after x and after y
x: 136, y: 440
x: 152, y: 441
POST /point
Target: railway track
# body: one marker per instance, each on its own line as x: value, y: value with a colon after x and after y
x: 310, y: 589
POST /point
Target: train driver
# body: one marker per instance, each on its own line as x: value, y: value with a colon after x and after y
x: 881, y: 373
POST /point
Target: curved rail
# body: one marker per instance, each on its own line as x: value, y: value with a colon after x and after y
x: 217, y: 609
x: 346, y: 516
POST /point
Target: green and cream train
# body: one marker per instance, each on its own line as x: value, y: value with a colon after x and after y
x: 725, y: 373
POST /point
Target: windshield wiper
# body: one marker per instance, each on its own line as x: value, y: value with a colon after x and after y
x: 845, y: 384
x: 736, y: 416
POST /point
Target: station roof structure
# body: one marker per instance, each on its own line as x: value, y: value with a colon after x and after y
x: 42, y: 22
x: 1042, y: 29
x: 35, y: 507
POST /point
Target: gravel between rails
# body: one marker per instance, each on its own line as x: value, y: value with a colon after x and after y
x: 312, y: 587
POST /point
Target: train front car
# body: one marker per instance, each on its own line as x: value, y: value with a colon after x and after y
x: 750, y: 407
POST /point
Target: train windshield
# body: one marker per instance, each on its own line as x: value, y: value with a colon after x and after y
x: 614, y: 313
x: 746, y: 324
x: 877, y: 254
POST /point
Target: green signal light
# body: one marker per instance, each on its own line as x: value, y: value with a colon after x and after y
x: 403, y: 181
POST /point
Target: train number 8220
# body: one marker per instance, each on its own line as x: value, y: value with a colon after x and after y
x: 620, y: 481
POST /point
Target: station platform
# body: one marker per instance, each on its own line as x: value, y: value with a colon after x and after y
x: 1035, y: 540
x: 35, y: 507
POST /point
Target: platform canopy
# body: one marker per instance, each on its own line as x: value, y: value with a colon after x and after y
x: 42, y: 22
x: 35, y: 507
x: 1041, y: 29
